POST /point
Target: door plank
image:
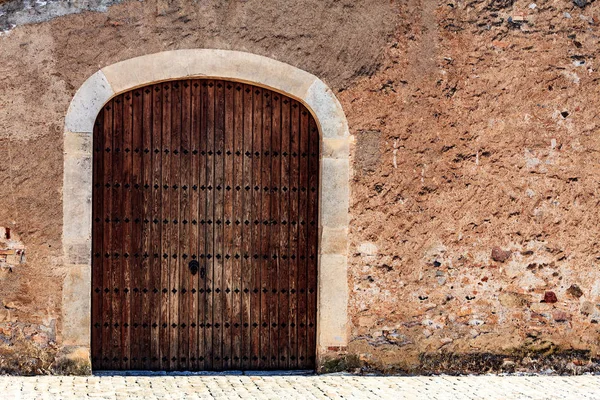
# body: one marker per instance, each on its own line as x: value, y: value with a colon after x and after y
x: 210, y: 225
x: 173, y: 222
x: 228, y: 224
x: 166, y: 230
x: 274, y: 254
x: 195, y: 319
x: 218, y: 224
x: 185, y: 276
x: 302, y: 239
x: 202, y: 227
x: 97, y: 244
x: 108, y: 229
x: 117, y: 235
x: 147, y: 251
x: 127, y: 224
x: 256, y: 228
x: 285, y: 270
x: 265, y: 234
x: 313, y: 238
x: 237, y: 224
x: 293, y: 245
x: 155, y: 292
x: 141, y: 204
x: 247, y: 191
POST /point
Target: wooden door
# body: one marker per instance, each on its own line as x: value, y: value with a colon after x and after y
x: 205, y: 225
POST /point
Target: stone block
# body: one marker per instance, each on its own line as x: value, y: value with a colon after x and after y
x: 328, y: 111
x: 87, y: 102
x: 334, y: 240
x: 335, y: 148
x: 335, y: 193
x: 78, y: 143
x: 333, y: 301
x: 78, y: 252
x: 210, y: 63
x: 76, y: 300
x: 77, y: 197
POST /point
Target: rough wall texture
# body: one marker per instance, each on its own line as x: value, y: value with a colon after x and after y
x: 474, y: 239
x: 473, y: 232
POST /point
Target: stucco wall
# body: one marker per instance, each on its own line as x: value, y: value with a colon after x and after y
x: 472, y: 132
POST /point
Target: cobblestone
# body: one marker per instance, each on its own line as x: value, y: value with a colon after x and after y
x: 298, y: 386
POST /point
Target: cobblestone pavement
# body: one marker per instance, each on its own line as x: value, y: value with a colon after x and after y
x: 265, y: 386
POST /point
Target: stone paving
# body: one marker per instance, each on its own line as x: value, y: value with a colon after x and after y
x: 297, y: 386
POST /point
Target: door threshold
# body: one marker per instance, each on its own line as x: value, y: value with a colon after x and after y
x: 301, y: 372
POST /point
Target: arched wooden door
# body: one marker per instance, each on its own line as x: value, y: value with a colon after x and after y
x: 205, y: 229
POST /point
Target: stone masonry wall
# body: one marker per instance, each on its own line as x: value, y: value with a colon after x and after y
x: 473, y: 196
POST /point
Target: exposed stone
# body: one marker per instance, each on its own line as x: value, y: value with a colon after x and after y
x: 446, y: 340
x: 512, y: 299
x: 367, y: 321
x: 560, y: 316
x: 500, y: 255
x: 12, y: 250
x: 367, y: 249
x: 476, y: 322
x: 575, y: 291
x: 546, y: 358
x: 5, y: 271
x: 587, y: 308
x: 26, y: 349
x: 339, y: 363
x: 550, y: 297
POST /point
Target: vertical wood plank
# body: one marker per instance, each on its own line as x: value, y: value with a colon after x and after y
x: 146, y: 287
x: 313, y: 238
x: 127, y: 224
x: 174, y: 222
x: 302, y: 239
x: 247, y: 192
x: 202, y: 217
x: 218, y: 223
x: 117, y: 235
x: 256, y: 226
x: 97, y: 241
x: 166, y: 231
x: 156, y: 233
x: 293, y: 238
x: 284, y: 271
x: 139, y: 233
x: 210, y: 225
x: 194, y: 213
x: 185, y: 276
x: 108, y: 229
x: 263, y: 219
x: 237, y: 224
x: 274, y: 251
x: 228, y: 224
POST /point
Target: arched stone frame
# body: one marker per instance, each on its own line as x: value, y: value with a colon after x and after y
x: 332, y: 297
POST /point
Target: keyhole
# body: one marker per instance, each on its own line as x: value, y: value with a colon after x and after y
x: 194, y: 266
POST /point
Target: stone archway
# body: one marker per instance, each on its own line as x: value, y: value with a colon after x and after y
x: 332, y: 297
